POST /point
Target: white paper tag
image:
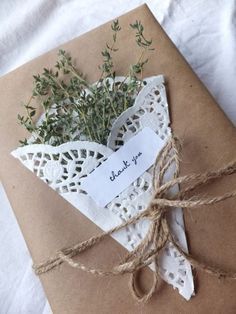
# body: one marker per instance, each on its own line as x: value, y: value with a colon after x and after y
x: 123, y: 167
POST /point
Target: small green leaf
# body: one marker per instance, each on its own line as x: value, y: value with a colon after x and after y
x: 32, y: 113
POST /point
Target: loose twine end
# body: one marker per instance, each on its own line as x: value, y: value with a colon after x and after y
x: 159, y: 234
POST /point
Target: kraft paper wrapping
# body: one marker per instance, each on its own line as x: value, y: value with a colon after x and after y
x: 49, y: 223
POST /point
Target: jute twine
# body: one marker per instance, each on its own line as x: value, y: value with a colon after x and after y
x: 159, y: 233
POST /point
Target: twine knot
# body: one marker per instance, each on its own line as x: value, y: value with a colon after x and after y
x: 159, y: 233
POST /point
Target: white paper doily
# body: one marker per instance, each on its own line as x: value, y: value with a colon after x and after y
x: 63, y: 167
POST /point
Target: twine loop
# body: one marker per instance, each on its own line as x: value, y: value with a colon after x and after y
x: 159, y: 233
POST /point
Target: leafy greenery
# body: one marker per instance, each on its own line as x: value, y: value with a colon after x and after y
x: 73, y: 108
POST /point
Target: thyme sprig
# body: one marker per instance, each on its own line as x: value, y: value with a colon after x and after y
x: 74, y: 109
x: 144, y: 44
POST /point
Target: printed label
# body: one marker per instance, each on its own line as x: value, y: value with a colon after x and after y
x: 123, y: 167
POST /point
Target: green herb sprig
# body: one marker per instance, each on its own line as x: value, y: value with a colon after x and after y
x: 74, y: 109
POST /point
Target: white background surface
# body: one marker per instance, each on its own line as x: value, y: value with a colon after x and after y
x: 205, y: 33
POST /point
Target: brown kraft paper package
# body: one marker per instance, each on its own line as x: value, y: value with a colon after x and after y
x: 49, y: 223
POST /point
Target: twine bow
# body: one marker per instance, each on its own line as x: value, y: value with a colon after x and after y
x: 159, y: 233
